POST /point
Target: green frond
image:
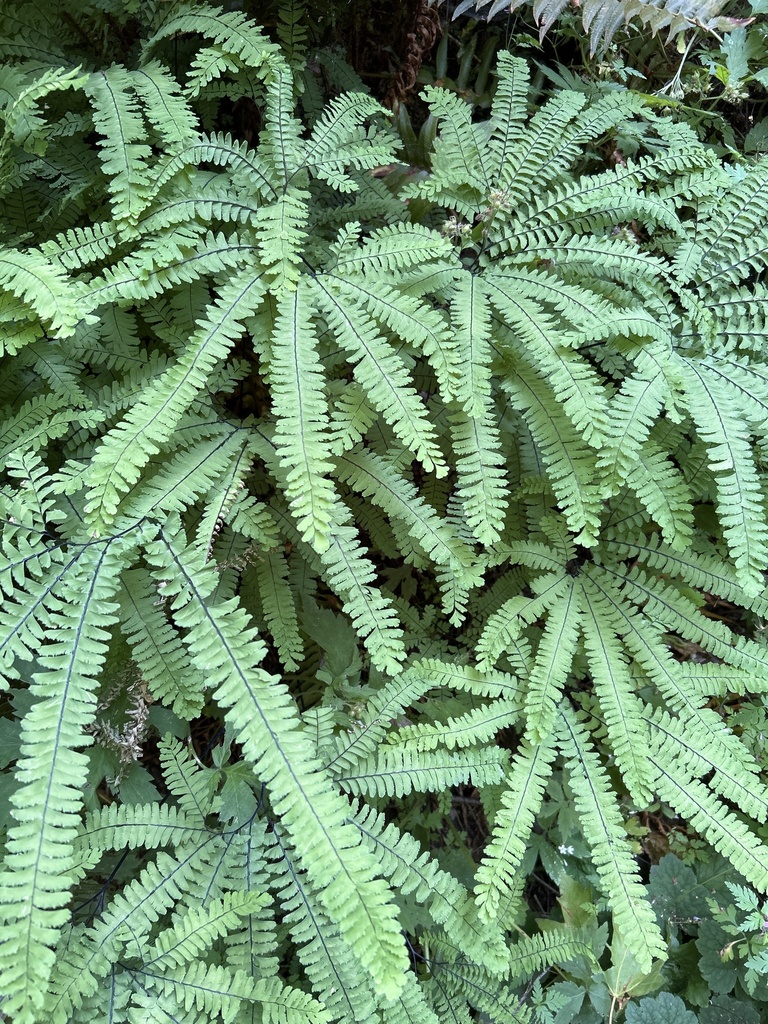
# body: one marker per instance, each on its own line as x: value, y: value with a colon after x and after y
x: 362, y: 740
x: 51, y: 770
x: 411, y: 870
x: 39, y: 421
x: 43, y: 288
x: 741, y: 505
x: 705, y: 572
x: 623, y: 712
x: 633, y: 412
x: 509, y: 108
x: 527, y: 777
x: 210, y: 989
x: 265, y: 720
x: 731, y: 245
x: 121, y: 930
x: 558, y: 945
x: 124, y: 157
x: 434, y: 672
x: 459, y: 157
x: 117, y: 464
x: 666, y: 606
x: 461, y: 983
x: 381, y: 372
x: 300, y: 408
x: 702, y: 750
x: 507, y: 623
x: 190, y: 783
x: 279, y: 609
x: 388, y: 249
x: 376, y: 479
x: 575, y: 385
x: 156, y: 647
x: 339, y: 140
x: 373, y: 615
x: 476, y: 726
x: 709, y: 816
x: 235, y: 37
x: 397, y: 771
x: 121, y: 826
x: 22, y: 92
x: 569, y: 461
x: 345, y: 991
x: 552, y: 666
x: 664, y: 492
x: 415, y: 322
x: 222, y: 151
x: 611, y: 853
x: 173, y: 120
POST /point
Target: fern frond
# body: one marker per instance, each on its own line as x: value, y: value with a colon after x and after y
x: 734, y: 773
x: 235, y: 36
x: 624, y: 714
x: 709, y: 816
x: 411, y: 870
x: 476, y: 726
x: 375, y: 478
x: 611, y: 853
x: 131, y: 826
x: 117, y: 464
x: 339, y: 141
x: 122, y: 929
x: 380, y: 371
x: 741, y: 505
x: 157, y: 648
x: 124, y: 156
x: 553, y: 661
x: 38, y: 862
x: 556, y: 946
x: 263, y: 715
x: 520, y: 802
x: 302, y: 420
x: 569, y: 462
x: 43, y: 288
x: 170, y: 115
x: 279, y: 608
x: 396, y: 771
x: 343, y: 989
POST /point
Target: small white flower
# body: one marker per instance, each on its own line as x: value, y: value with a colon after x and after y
x: 565, y: 850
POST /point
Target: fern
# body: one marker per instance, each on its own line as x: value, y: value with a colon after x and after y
x: 356, y: 477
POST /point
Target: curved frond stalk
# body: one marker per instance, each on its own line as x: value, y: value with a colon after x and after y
x: 624, y: 713
x: 380, y: 371
x: 709, y: 816
x: 157, y: 648
x: 44, y: 288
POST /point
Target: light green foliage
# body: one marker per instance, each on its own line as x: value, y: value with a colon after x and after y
x: 370, y: 477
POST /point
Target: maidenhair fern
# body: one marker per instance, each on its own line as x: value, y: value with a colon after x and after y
x: 371, y: 477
